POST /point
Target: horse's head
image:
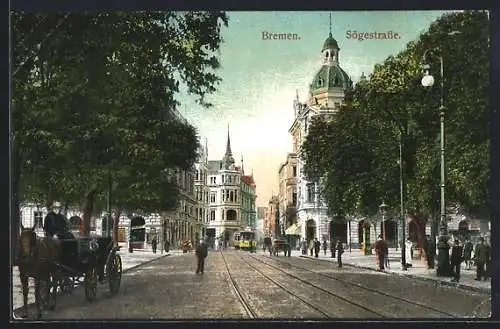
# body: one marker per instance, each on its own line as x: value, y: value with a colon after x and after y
x: 27, y: 239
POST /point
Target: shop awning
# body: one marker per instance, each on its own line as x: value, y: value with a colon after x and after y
x: 293, y: 230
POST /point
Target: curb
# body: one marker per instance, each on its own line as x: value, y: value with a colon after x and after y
x: 413, y: 276
x: 123, y: 271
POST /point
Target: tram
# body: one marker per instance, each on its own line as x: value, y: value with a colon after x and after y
x: 236, y: 240
x: 247, y: 240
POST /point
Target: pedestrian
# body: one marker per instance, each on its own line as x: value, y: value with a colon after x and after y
x: 409, y: 253
x: 154, y: 244
x: 380, y: 246
x: 201, y: 253
x: 311, y: 247
x: 166, y: 246
x: 304, y: 247
x: 456, y: 260
x: 340, y: 251
x: 325, y: 247
x: 487, y: 264
x: 56, y: 223
x: 467, y: 256
x: 386, y: 256
x: 332, y: 247
x: 317, y: 247
x: 480, y: 255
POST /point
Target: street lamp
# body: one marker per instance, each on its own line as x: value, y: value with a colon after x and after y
x: 383, y: 209
x: 443, y: 268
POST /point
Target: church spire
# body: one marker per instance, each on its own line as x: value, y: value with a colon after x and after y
x: 228, y: 157
x: 228, y: 145
x: 330, y: 34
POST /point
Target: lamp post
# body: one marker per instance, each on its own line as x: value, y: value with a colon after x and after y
x: 443, y: 268
x: 383, y: 209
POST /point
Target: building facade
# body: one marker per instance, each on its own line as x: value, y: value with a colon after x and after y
x: 287, y: 193
x: 326, y: 94
x: 224, y: 200
x: 261, y: 223
x: 271, y: 223
x: 248, y: 197
x: 201, y: 188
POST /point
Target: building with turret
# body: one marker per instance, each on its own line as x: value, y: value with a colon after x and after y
x: 224, y: 199
x: 326, y: 94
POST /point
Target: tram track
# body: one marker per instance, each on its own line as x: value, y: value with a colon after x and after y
x: 325, y: 313
x: 357, y: 285
x: 232, y: 281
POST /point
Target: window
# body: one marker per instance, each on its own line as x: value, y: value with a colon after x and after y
x: 294, y: 169
x: 294, y: 198
x: 231, y: 196
x: 197, y: 175
x: 235, y: 196
x: 212, y: 197
x: 212, y: 215
x: 310, y: 192
x: 223, y: 179
x: 212, y: 180
x: 38, y: 215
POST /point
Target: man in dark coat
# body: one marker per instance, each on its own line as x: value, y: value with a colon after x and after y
x: 468, y: 247
x: 56, y: 223
x: 487, y: 263
x: 154, y: 244
x: 456, y: 260
x: 381, y: 248
x: 481, y: 257
x: 201, y: 253
x: 430, y: 251
x: 317, y: 247
x: 340, y: 251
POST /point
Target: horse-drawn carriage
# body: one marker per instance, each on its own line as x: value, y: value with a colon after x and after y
x: 276, y: 246
x: 89, y: 260
x: 63, y: 264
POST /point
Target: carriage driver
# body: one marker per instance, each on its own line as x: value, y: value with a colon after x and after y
x: 56, y: 223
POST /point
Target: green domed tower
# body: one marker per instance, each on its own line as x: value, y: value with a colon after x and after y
x: 330, y: 82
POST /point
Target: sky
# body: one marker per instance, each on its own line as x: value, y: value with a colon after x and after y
x: 260, y: 78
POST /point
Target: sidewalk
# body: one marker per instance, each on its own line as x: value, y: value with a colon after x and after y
x: 418, y: 270
x: 129, y: 262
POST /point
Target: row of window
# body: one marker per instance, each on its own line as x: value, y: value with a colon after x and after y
x: 226, y: 196
x: 225, y: 179
x: 229, y: 215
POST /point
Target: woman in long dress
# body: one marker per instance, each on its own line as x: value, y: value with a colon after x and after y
x: 408, y: 251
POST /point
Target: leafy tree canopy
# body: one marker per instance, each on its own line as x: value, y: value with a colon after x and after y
x: 358, y: 150
x: 94, y: 97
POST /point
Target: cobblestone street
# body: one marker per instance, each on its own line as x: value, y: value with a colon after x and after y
x: 259, y: 286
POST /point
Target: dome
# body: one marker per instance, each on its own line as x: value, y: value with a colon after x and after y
x: 330, y: 43
x: 330, y: 76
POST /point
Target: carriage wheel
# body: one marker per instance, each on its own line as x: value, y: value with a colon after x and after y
x: 91, y: 284
x: 49, y: 292
x: 114, y: 274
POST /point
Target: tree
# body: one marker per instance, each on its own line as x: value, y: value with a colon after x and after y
x: 357, y: 151
x: 94, y: 97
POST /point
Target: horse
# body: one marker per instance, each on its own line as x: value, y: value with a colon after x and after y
x: 37, y: 258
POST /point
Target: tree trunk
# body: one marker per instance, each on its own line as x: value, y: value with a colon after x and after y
x: 14, y: 190
x: 116, y: 222
x: 87, y: 213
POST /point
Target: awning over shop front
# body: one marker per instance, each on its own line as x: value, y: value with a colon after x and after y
x: 293, y: 230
